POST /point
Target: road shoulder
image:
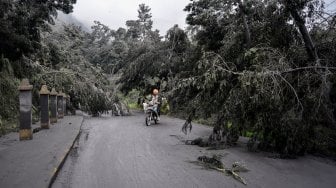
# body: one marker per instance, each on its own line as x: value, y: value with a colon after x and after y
x: 40, y: 157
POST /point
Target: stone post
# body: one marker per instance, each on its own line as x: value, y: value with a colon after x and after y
x: 44, y: 104
x: 64, y: 104
x: 25, y: 89
x: 68, y: 105
x: 60, y: 105
x: 53, y: 106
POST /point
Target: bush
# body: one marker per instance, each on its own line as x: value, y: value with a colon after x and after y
x: 9, y: 91
x: 97, y: 104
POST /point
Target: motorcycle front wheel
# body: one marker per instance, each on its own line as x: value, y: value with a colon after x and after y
x: 148, y: 120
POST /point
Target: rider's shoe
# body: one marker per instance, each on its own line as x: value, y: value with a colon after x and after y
x: 158, y: 118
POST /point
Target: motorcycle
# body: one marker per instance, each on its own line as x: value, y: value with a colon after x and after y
x: 151, y: 113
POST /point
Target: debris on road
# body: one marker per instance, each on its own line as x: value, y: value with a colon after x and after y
x: 215, y: 163
x: 204, y: 143
x: 198, y: 141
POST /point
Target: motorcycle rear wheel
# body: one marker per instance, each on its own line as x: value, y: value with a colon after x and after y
x: 155, y: 120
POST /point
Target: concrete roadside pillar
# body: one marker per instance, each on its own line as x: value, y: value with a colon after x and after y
x: 64, y: 104
x: 71, y: 109
x: 53, y: 106
x: 60, y: 105
x: 68, y: 107
x: 25, y: 97
x: 44, y: 104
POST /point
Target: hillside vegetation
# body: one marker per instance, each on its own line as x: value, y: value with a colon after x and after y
x: 258, y: 68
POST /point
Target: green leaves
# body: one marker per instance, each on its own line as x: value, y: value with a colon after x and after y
x: 141, y: 29
x: 23, y: 22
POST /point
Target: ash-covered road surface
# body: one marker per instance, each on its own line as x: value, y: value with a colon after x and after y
x: 122, y: 152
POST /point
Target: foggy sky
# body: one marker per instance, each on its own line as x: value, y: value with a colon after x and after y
x: 115, y: 13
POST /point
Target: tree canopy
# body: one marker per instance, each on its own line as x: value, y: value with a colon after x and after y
x: 258, y: 68
x: 251, y: 66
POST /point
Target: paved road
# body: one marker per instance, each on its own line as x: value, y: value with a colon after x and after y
x: 33, y: 163
x: 122, y: 152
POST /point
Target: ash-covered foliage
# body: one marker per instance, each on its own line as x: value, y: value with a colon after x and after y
x: 263, y: 69
x: 215, y: 163
x: 31, y: 46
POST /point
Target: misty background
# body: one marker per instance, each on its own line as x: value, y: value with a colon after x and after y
x: 115, y: 13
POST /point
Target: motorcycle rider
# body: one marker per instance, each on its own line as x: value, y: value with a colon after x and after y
x: 156, y: 102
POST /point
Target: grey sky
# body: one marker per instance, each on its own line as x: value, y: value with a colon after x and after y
x: 115, y: 13
x: 330, y: 5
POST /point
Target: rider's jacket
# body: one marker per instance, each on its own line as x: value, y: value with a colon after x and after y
x: 155, y: 99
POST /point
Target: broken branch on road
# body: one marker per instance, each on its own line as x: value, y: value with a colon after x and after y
x: 215, y: 163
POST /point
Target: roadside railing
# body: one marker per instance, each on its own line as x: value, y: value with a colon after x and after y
x: 53, y: 102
